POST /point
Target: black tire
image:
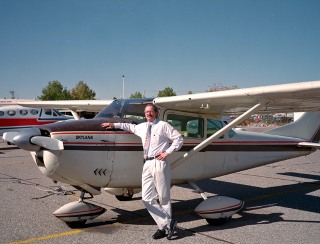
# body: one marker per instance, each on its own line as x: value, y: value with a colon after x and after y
x: 76, y: 224
x: 217, y: 222
x: 124, y: 198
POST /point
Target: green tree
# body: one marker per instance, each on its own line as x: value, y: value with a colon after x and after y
x: 136, y: 95
x: 219, y: 87
x: 55, y: 91
x: 166, y: 92
x: 82, y: 92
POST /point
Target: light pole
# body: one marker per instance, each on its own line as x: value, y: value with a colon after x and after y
x: 122, y: 86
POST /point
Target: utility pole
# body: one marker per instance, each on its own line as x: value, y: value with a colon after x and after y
x: 122, y: 86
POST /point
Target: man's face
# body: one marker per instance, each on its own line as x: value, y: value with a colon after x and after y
x: 150, y: 114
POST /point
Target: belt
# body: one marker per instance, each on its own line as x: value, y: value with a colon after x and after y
x: 151, y: 158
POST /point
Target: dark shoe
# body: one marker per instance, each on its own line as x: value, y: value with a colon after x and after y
x: 171, y: 228
x: 159, y: 234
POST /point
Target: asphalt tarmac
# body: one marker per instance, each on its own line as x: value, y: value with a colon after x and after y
x: 282, y: 205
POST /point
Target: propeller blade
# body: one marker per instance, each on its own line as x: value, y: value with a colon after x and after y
x: 8, y: 136
x: 47, y: 142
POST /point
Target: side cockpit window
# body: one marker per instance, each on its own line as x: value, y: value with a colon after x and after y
x: 56, y: 112
x: 136, y: 118
x: 47, y: 112
x: 188, y: 126
x: 132, y: 109
x: 215, y: 125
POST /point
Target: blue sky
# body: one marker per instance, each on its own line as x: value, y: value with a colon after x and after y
x: 187, y: 45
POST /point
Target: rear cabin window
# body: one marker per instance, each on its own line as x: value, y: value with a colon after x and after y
x: 11, y: 112
x: 23, y: 112
x: 188, y: 126
x: 1, y: 113
x: 34, y: 111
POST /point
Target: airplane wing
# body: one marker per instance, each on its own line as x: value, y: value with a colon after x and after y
x: 74, y: 105
x: 294, y: 97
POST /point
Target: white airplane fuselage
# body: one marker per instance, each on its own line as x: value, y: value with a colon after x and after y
x: 114, y: 159
x: 97, y: 158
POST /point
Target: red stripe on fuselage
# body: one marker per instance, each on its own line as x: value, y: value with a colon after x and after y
x: 24, y: 122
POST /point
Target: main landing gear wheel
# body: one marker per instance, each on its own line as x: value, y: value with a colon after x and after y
x: 76, y: 224
x: 124, y: 197
x: 217, y: 222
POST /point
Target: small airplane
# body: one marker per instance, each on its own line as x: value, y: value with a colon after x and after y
x: 15, y: 116
x: 92, y: 159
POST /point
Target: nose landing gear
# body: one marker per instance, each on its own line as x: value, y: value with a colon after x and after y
x: 76, y: 214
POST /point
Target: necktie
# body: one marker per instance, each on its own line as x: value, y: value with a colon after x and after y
x: 147, y: 142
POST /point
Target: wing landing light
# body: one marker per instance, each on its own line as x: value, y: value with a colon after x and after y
x: 309, y: 144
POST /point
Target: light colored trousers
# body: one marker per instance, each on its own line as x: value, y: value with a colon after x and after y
x: 156, y: 183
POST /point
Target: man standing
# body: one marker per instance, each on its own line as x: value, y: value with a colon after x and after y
x: 156, y: 175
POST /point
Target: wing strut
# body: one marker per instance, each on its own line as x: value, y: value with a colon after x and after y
x: 216, y: 135
x: 75, y: 114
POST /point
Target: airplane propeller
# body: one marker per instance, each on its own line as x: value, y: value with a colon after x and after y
x: 47, y: 142
x: 32, y: 140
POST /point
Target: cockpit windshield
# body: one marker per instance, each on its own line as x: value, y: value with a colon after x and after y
x: 126, y: 109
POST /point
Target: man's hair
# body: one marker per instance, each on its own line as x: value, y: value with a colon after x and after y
x: 153, y: 106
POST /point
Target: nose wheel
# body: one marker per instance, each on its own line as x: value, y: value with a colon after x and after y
x: 126, y: 196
